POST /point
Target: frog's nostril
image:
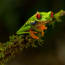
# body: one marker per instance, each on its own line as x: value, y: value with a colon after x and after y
x: 45, y: 18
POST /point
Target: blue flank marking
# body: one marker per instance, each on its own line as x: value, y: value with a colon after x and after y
x: 33, y: 23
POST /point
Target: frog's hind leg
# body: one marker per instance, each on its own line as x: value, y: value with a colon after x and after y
x: 32, y: 34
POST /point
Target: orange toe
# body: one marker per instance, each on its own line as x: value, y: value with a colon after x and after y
x: 33, y: 35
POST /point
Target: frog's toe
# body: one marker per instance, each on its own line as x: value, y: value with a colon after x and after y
x: 32, y: 34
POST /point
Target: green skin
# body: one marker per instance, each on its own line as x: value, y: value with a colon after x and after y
x: 45, y: 16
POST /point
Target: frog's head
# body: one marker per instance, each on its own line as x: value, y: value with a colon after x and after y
x: 44, y: 16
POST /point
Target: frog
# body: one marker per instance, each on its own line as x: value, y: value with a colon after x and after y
x: 38, y: 17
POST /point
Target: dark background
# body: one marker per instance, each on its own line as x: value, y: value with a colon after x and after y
x: 14, y: 13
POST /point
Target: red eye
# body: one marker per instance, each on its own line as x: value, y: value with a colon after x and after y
x: 52, y: 15
x: 38, y: 16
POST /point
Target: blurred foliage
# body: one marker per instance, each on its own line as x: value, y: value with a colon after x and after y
x: 15, y: 45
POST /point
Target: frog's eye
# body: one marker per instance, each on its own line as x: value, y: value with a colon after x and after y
x: 52, y: 15
x: 38, y: 16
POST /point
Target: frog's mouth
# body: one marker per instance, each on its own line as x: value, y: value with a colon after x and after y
x: 43, y: 22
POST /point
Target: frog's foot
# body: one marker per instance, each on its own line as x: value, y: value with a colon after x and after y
x: 42, y: 30
x: 32, y: 34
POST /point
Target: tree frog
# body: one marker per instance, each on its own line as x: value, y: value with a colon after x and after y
x: 38, y: 17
